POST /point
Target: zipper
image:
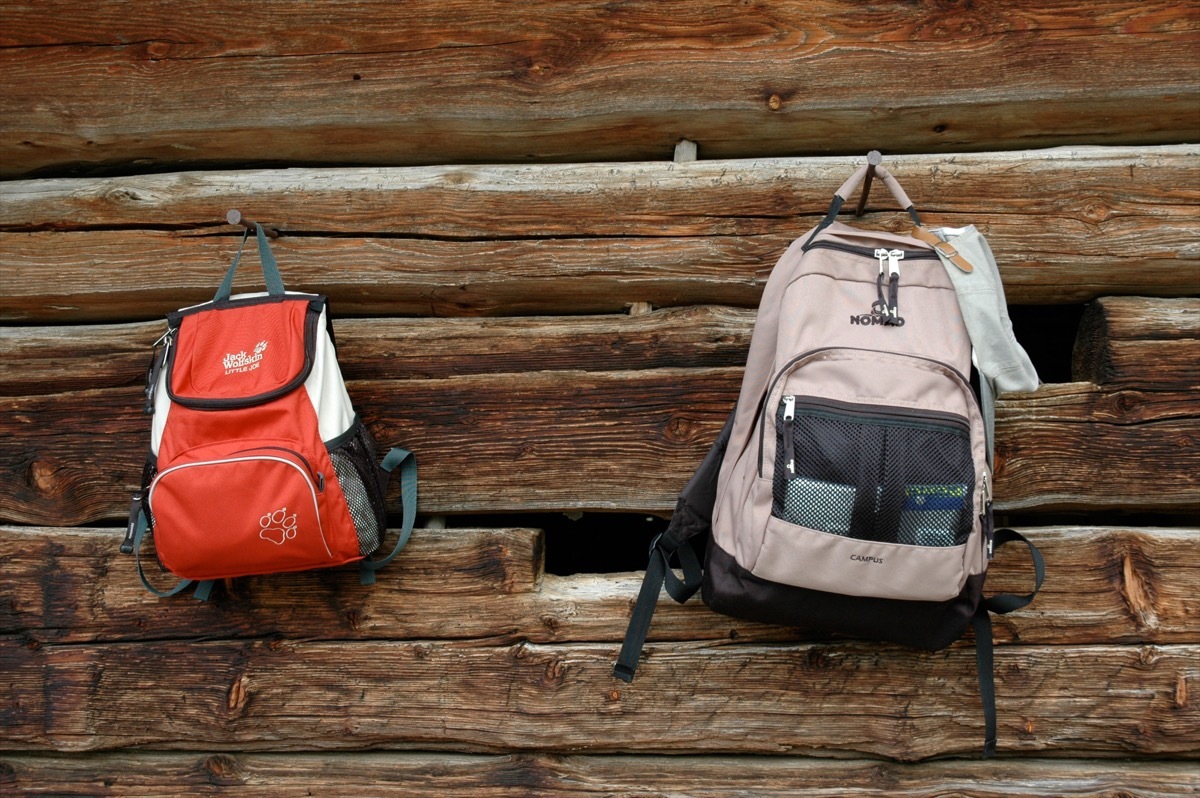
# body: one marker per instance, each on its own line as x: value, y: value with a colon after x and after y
x: 936, y: 420
x: 310, y: 331
x: 228, y: 460
x: 869, y: 252
x: 762, y: 420
x: 316, y: 475
x: 789, y: 446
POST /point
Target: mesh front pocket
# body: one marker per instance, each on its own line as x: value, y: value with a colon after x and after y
x: 355, y: 464
x: 872, y: 473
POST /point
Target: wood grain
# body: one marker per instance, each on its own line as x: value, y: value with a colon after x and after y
x: 49, y: 359
x: 546, y: 776
x: 1106, y: 585
x: 582, y: 239
x: 1078, y: 447
x: 607, y: 441
x: 278, y: 695
x: 1137, y: 342
x: 444, y: 82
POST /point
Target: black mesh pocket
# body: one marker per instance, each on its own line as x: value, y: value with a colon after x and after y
x: 357, y: 469
x: 872, y: 473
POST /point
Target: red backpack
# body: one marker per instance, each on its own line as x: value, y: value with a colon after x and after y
x: 258, y: 463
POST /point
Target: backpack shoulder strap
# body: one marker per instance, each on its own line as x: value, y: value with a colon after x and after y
x: 138, y: 524
x: 407, y: 463
x: 692, y: 518
x: 981, y: 622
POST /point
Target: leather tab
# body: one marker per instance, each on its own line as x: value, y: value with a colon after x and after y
x: 944, y: 248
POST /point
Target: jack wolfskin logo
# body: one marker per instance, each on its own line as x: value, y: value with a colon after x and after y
x: 238, y: 362
x: 861, y: 558
x: 278, y: 527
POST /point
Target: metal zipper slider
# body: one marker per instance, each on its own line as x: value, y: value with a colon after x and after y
x: 882, y: 256
x: 158, y: 359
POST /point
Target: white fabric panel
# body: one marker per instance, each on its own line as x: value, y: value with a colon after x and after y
x: 326, y: 388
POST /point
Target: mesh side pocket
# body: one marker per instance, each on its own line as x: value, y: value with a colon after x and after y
x: 356, y: 467
x: 870, y: 474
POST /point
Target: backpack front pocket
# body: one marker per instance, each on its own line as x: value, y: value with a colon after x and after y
x: 868, y: 472
x: 236, y: 509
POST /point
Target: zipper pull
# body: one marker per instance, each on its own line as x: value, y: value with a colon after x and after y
x: 989, y: 525
x: 789, y: 451
x: 135, y: 517
x: 894, y: 257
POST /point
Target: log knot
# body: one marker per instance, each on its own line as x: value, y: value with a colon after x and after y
x: 1137, y: 590
x: 239, y: 694
x: 222, y: 771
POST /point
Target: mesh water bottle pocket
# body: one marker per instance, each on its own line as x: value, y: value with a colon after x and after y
x: 357, y: 469
x: 892, y: 475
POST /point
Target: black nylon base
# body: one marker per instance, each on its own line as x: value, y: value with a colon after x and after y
x: 730, y: 589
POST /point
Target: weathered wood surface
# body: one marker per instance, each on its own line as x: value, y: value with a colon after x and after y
x: 1078, y: 447
x: 545, y: 776
x: 47, y: 359
x: 844, y: 698
x: 483, y: 240
x: 444, y: 82
x: 1138, y: 342
x: 1106, y: 585
x: 620, y: 440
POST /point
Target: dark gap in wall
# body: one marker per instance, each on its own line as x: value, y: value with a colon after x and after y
x: 1047, y: 332
x: 595, y: 543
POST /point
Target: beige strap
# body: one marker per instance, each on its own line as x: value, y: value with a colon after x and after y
x: 944, y: 248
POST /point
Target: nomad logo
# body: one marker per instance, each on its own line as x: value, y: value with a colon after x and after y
x: 278, y: 527
x: 237, y: 362
x: 860, y: 558
x: 877, y: 316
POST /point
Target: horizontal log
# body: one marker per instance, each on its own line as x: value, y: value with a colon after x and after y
x: 1137, y: 342
x: 1078, y: 447
x: 611, y: 441
x: 552, y: 440
x: 544, y: 776
x: 72, y: 586
x: 36, y: 360
x: 436, y: 82
x: 484, y: 240
x: 277, y: 695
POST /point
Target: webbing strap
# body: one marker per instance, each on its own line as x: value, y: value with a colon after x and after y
x: 985, y: 665
x: 138, y: 534
x: 658, y: 575
x: 981, y: 622
x: 407, y: 463
x: 269, y: 266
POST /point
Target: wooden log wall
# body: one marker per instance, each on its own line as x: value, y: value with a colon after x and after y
x: 530, y: 294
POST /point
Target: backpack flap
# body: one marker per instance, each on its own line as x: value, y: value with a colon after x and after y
x: 242, y: 352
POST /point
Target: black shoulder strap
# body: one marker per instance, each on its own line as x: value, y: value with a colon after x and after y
x: 692, y: 518
x: 981, y: 621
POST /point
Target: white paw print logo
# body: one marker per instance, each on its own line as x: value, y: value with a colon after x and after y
x: 262, y: 345
x: 278, y: 527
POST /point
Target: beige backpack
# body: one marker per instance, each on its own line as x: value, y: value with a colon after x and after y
x: 850, y: 491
